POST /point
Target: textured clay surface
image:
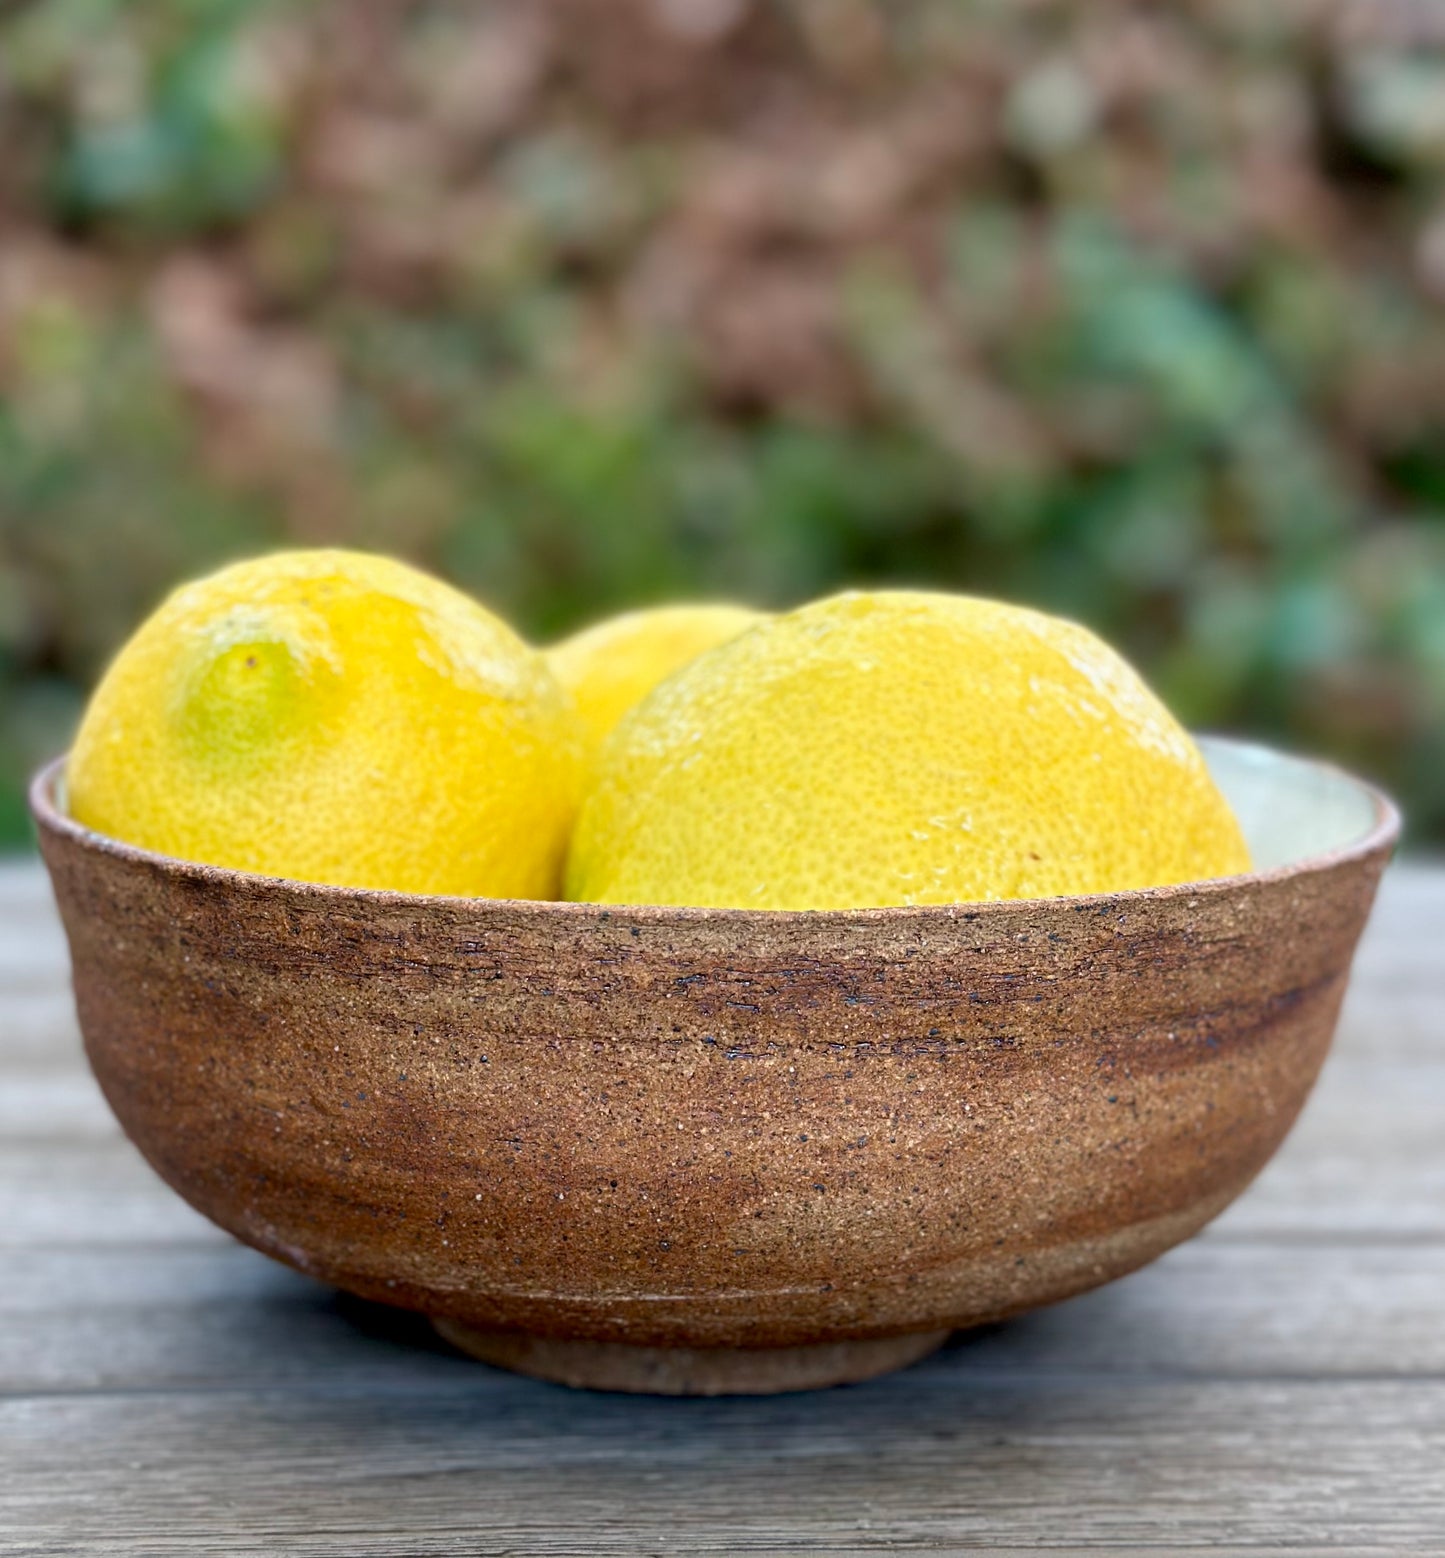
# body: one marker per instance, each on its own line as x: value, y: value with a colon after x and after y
x: 704, y: 1129
x: 691, y: 1371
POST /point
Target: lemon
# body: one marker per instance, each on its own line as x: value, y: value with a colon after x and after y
x: 334, y: 717
x: 613, y: 665
x: 899, y: 748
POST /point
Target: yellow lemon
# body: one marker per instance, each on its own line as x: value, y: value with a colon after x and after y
x: 899, y: 748
x: 613, y: 665
x: 334, y: 717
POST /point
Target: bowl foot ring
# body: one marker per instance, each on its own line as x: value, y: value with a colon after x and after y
x: 690, y: 1371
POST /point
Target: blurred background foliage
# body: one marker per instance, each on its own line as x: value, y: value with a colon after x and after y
x: 1132, y: 311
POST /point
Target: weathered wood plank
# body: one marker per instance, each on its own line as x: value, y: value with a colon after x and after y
x: 38, y: 1032
x: 938, y: 1455
x: 222, y: 1317
x: 53, y: 1106
x: 1366, y: 1159
x: 23, y: 887
x: 32, y: 944
x: 98, y: 1193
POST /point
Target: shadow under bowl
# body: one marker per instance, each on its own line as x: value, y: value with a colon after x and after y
x: 703, y: 1151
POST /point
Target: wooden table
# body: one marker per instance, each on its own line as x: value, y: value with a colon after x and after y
x: 1276, y: 1385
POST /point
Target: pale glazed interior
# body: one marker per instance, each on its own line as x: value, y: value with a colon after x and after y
x: 1290, y: 808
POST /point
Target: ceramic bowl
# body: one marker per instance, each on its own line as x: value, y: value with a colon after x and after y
x: 693, y: 1150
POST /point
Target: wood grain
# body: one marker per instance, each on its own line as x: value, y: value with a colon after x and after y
x: 939, y: 1454
x: 1277, y: 1385
x: 196, y: 1317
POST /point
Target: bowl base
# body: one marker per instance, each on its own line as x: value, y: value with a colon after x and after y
x: 690, y: 1371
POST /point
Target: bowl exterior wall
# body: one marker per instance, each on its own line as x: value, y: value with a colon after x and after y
x: 703, y: 1129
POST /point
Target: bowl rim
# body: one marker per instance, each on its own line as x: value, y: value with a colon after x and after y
x: 1381, y: 837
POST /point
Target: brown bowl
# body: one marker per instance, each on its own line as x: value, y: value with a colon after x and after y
x: 695, y: 1150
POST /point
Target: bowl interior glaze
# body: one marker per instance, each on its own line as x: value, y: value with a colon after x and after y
x: 1291, y: 809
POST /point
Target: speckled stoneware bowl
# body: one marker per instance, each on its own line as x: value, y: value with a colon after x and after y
x: 703, y: 1151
